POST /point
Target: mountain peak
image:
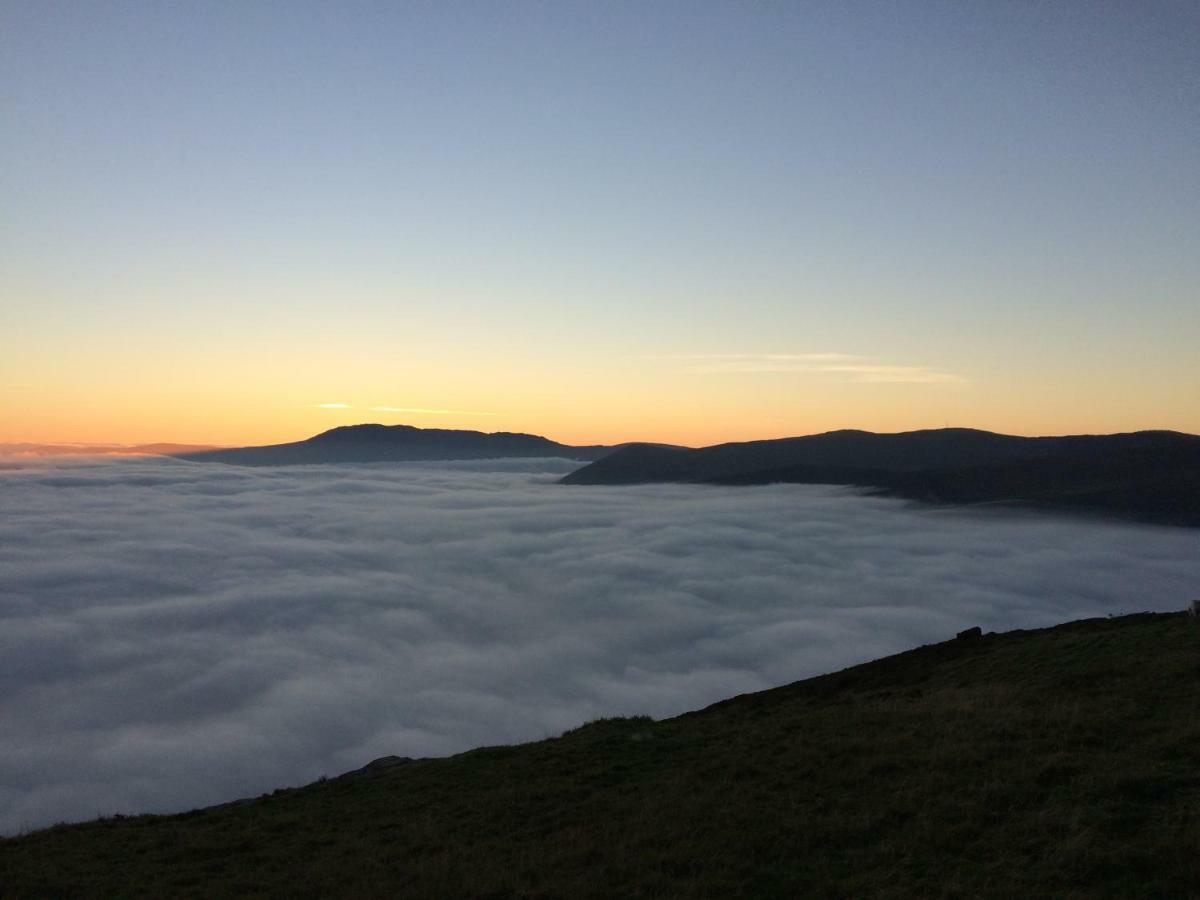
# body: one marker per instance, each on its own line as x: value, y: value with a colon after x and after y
x: 372, y: 442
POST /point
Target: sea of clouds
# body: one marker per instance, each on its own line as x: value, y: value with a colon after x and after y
x: 177, y: 634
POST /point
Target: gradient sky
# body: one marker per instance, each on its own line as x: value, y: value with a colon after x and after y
x: 682, y: 222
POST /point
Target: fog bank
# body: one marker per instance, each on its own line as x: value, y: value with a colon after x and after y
x: 176, y: 634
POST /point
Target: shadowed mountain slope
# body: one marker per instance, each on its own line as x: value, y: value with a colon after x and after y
x: 1058, y: 762
x: 397, y: 443
x: 1150, y: 475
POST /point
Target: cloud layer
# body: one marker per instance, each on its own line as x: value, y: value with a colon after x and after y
x: 177, y: 634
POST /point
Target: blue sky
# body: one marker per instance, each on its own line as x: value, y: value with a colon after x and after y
x: 219, y: 216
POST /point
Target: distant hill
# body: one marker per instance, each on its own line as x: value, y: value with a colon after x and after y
x: 1051, y: 763
x: 35, y: 450
x: 1149, y: 475
x: 397, y: 443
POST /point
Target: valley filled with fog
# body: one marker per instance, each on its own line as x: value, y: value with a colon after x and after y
x: 175, y: 634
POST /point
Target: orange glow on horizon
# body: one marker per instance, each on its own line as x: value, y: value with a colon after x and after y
x: 242, y: 428
x: 246, y: 395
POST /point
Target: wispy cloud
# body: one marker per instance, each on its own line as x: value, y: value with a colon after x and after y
x: 881, y: 374
x: 762, y: 357
x: 333, y: 406
x: 845, y: 366
x: 420, y: 411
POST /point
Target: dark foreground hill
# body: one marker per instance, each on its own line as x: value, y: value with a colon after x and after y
x: 397, y: 443
x: 1147, y: 475
x: 1061, y: 762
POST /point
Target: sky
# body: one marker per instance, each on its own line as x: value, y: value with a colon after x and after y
x: 691, y: 222
x: 176, y: 634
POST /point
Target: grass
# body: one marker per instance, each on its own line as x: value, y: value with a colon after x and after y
x: 1061, y: 762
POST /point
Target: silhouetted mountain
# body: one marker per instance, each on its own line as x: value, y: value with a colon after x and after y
x: 1151, y: 475
x: 28, y: 449
x: 397, y: 443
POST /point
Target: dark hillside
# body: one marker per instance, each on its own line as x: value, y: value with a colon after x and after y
x: 1161, y: 487
x: 1060, y: 762
x: 847, y: 449
x: 397, y: 443
x: 910, y: 451
x: 1151, y: 476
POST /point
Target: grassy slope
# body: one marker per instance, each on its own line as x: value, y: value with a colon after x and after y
x: 1058, y: 762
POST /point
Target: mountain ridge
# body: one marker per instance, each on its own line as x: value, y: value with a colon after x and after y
x: 373, y: 442
x: 1152, y: 476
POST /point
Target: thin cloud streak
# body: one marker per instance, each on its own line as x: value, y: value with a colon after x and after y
x: 873, y: 374
x: 416, y: 410
x: 177, y: 634
x: 333, y: 406
x: 856, y: 369
x: 761, y: 357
